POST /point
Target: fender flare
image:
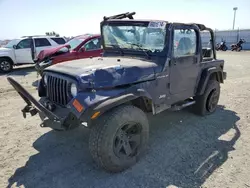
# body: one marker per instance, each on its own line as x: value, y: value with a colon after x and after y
x: 110, y: 103
x: 121, y: 99
x: 113, y: 102
x: 205, y: 76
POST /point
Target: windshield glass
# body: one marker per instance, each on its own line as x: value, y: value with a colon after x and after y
x: 142, y: 36
x: 11, y: 43
x: 75, y: 42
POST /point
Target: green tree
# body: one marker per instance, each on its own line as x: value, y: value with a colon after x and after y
x: 53, y: 33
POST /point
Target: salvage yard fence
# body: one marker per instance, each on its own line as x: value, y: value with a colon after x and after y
x: 230, y: 36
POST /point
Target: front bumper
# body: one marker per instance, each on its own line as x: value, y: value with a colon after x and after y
x: 59, y: 118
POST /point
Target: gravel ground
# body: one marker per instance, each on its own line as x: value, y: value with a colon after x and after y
x: 184, y: 150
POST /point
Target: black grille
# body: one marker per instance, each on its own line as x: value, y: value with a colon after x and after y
x: 57, y: 90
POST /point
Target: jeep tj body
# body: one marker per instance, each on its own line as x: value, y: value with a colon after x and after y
x: 147, y: 66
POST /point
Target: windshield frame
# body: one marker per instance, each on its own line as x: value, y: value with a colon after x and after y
x: 133, y: 23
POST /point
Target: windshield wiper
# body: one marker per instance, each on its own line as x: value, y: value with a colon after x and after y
x: 117, y: 47
x: 146, y: 51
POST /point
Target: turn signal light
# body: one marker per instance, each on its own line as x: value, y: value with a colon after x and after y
x: 78, y: 105
x: 95, y: 115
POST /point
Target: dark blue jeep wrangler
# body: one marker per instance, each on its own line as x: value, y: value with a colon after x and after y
x: 147, y: 66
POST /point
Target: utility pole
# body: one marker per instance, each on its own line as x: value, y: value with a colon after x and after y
x: 235, y: 8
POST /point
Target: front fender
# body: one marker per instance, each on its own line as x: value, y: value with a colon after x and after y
x: 8, y: 54
x: 100, y: 102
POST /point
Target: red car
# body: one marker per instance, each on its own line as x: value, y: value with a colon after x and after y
x: 83, y: 46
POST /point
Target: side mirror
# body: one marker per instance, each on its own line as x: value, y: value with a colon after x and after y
x: 14, y: 46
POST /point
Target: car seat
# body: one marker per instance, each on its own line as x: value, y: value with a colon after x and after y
x: 98, y: 44
x: 184, y: 47
x: 91, y: 46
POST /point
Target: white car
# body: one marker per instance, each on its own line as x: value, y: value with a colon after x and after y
x: 25, y: 50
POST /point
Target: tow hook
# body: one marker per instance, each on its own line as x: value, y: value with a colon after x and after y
x: 29, y: 109
x: 50, y: 106
x: 56, y: 124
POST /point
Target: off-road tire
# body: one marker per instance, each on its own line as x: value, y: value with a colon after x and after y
x: 5, y: 62
x: 103, y: 134
x: 201, y: 106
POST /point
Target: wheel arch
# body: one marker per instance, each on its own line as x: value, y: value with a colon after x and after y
x: 7, y: 57
x: 213, y: 73
x: 137, y: 99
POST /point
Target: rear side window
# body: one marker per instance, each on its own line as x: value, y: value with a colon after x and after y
x: 41, y: 42
x: 59, y: 40
x: 184, y: 42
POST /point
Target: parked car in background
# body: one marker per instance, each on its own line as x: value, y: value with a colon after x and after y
x: 24, y: 50
x: 83, y: 46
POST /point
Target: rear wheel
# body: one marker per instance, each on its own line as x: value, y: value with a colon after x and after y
x: 119, y: 138
x: 5, y: 65
x: 239, y: 48
x: 207, y: 103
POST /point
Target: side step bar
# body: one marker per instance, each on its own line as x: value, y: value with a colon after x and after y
x: 182, y: 105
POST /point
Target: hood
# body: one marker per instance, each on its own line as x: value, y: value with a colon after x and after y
x: 2, y: 49
x: 107, y: 72
x: 50, y: 51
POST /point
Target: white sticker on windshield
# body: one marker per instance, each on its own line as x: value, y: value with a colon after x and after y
x: 157, y: 24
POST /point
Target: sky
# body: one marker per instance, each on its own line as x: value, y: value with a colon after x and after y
x: 75, y: 17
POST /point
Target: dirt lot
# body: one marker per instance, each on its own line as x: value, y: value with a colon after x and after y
x: 185, y: 150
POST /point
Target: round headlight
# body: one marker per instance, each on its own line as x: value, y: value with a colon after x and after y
x: 73, y: 90
x: 45, y: 79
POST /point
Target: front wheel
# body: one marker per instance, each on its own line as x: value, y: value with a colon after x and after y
x: 119, y: 138
x: 5, y: 65
x: 224, y: 48
x: 207, y: 103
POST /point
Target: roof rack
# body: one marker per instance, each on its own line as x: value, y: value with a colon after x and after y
x: 120, y: 16
x: 38, y: 36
